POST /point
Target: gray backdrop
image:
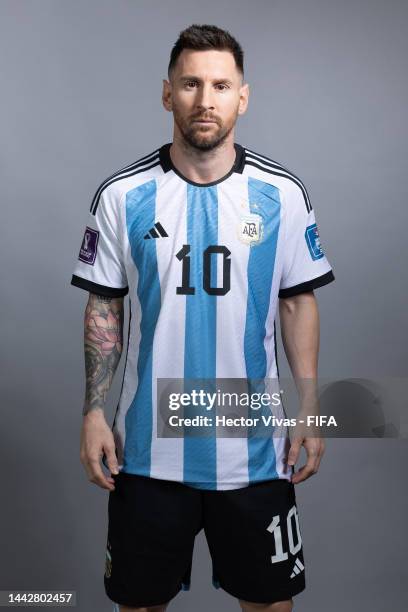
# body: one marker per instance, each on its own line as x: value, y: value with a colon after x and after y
x: 81, y: 97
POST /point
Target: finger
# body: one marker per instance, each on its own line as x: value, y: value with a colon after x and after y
x: 314, y: 450
x: 96, y: 475
x: 102, y: 481
x: 305, y: 471
x: 294, y: 451
x: 111, y: 459
x: 301, y: 475
x: 318, y: 460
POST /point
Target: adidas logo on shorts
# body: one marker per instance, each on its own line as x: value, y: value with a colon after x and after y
x: 297, y: 568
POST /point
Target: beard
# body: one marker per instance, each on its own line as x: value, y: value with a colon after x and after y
x: 199, y: 136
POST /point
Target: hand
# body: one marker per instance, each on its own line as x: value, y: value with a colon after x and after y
x: 97, y: 438
x: 315, y: 448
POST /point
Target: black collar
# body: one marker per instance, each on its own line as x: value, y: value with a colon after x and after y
x: 167, y: 164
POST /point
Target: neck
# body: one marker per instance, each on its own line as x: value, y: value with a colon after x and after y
x: 203, y: 166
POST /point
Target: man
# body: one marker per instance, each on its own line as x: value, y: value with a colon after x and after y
x: 207, y: 237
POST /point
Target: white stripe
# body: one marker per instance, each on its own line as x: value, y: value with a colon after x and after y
x: 232, y: 453
x: 280, y: 440
x: 167, y: 454
x: 130, y: 381
x: 300, y: 564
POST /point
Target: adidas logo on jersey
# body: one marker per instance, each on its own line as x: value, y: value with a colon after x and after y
x: 157, y: 231
x: 297, y: 568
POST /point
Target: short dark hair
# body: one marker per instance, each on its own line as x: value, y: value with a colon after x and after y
x: 204, y: 37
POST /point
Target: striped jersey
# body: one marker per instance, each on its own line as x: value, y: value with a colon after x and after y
x: 204, y: 266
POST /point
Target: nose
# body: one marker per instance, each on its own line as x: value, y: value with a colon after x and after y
x: 204, y: 97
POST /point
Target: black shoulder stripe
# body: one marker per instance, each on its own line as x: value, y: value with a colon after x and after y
x: 132, y: 165
x: 118, y: 178
x: 278, y: 170
x: 126, y: 171
x: 123, y: 173
x: 267, y: 159
x: 127, y: 168
x: 306, y: 199
x: 275, y: 164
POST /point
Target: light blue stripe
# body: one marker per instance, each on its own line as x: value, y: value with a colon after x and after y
x: 263, y: 200
x: 200, y: 461
x: 140, y: 214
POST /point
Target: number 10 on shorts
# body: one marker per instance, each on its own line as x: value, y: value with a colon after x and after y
x: 275, y: 529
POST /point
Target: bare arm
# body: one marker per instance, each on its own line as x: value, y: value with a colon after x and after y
x: 299, y: 319
x: 103, y: 341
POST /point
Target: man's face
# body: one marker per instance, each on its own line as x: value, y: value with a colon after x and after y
x: 205, y: 94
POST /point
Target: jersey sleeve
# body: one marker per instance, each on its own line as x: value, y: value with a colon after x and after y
x: 305, y: 266
x: 100, y: 266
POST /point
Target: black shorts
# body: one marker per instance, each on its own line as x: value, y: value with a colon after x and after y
x: 253, y: 536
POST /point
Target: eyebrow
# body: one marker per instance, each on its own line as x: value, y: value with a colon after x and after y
x: 195, y: 78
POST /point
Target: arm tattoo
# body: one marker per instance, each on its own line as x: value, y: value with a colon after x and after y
x: 103, y: 341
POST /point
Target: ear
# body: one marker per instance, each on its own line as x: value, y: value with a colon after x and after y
x: 166, y: 95
x: 243, y: 98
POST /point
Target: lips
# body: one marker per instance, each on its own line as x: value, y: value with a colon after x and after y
x: 204, y: 121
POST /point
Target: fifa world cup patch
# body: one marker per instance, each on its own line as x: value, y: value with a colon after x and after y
x: 87, y: 252
x: 313, y: 242
x: 250, y: 229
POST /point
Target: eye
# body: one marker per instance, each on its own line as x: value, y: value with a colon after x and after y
x: 222, y: 86
x: 190, y: 83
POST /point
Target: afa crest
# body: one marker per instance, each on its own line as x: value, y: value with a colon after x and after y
x: 313, y: 242
x: 250, y: 229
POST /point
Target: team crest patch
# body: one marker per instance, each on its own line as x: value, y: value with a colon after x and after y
x: 250, y: 229
x: 89, y: 246
x: 313, y: 242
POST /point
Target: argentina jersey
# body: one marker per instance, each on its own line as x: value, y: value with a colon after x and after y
x: 204, y: 266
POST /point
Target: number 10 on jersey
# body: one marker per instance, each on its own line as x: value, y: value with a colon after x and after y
x: 210, y: 256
